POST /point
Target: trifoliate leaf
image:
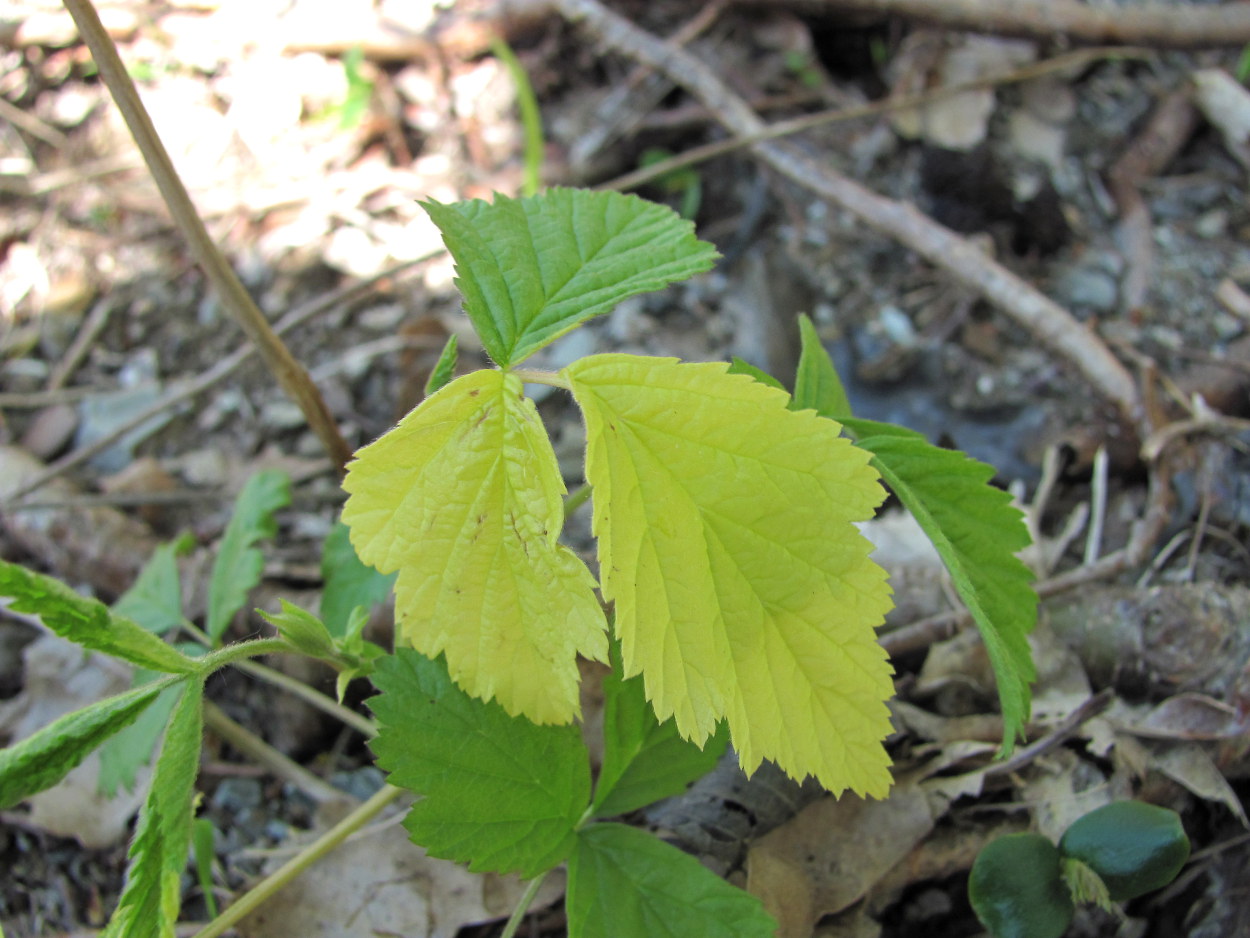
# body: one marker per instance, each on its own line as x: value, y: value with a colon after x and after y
x: 154, y: 600
x: 977, y: 532
x: 742, y: 587
x: 623, y: 881
x: 238, y: 565
x: 501, y: 793
x: 42, y: 759
x: 644, y: 760
x: 463, y: 498
x: 148, y: 907
x: 348, y: 582
x: 88, y: 622
x: 816, y: 382
x: 531, y: 269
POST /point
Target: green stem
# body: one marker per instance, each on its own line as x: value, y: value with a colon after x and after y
x: 263, y: 890
x: 531, y: 120
x: 234, y: 297
x: 232, y: 653
x: 531, y: 376
x: 255, y: 748
x: 576, y: 499
x: 310, y: 695
x: 523, y: 906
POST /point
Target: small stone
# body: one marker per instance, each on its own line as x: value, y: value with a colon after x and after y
x: 282, y: 414
x: 50, y: 431
x: 1212, y: 224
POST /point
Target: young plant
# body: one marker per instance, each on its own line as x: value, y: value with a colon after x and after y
x: 735, y: 598
x: 1023, y: 886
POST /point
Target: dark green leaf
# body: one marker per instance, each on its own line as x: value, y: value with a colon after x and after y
x: 626, y: 883
x: 42, y: 759
x: 644, y: 760
x: 531, y: 269
x: 348, y: 582
x: 148, y: 907
x: 238, y: 565
x: 87, y: 622
x: 816, y: 382
x: 1134, y: 847
x: 444, y: 368
x: 500, y: 793
x: 1016, y: 889
x: 977, y: 532
x: 740, y: 367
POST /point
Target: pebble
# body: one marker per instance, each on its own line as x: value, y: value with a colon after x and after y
x: 362, y: 783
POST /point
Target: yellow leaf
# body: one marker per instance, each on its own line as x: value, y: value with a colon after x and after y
x: 463, y: 498
x: 742, y: 587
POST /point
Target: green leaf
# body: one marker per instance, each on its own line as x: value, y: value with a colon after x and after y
x: 202, y: 837
x: 42, y: 759
x: 1134, y: 847
x: 122, y: 756
x: 348, y: 582
x: 816, y: 382
x: 743, y: 589
x: 1016, y: 888
x: 531, y: 269
x: 626, y: 883
x: 501, y: 793
x: 977, y: 532
x: 740, y: 367
x: 644, y: 760
x: 238, y: 565
x: 464, y: 499
x: 154, y: 600
x: 148, y: 907
x: 87, y: 621
x: 444, y: 368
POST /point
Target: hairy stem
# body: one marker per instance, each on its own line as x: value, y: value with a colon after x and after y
x: 261, y: 892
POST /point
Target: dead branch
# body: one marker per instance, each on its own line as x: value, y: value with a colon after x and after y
x: 1054, y: 326
x: 1175, y: 26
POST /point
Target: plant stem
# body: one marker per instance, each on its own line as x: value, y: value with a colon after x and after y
x: 234, y: 297
x: 252, y: 746
x: 261, y: 892
x: 312, y: 696
x: 531, y: 376
x: 522, y: 907
x: 577, y: 498
x: 232, y: 653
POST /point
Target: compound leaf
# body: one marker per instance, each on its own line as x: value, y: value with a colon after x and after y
x: 623, y: 881
x: 531, y: 269
x: 45, y: 757
x: 87, y: 621
x: 238, y: 565
x: 742, y: 587
x: 644, y: 760
x: 148, y: 907
x: 463, y: 498
x: 501, y: 793
x: 977, y: 532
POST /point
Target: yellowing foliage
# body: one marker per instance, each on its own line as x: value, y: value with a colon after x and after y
x: 743, y: 589
x: 464, y: 499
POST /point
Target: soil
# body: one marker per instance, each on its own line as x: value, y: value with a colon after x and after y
x: 307, y: 156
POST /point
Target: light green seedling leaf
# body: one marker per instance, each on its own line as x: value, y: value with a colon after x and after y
x: 644, y: 760
x: 501, y: 793
x: 977, y: 532
x: 444, y: 368
x: 464, y: 499
x: 348, y: 582
x: 154, y: 600
x: 743, y: 589
x: 87, y: 621
x: 623, y: 881
x: 238, y: 565
x: 531, y: 269
x: 202, y: 837
x: 45, y: 757
x: 816, y: 382
x: 148, y: 907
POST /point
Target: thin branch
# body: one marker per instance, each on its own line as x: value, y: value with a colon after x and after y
x: 234, y: 296
x: 1172, y: 25
x: 1050, y: 323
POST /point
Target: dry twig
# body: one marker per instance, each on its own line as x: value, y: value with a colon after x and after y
x: 1179, y: 25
